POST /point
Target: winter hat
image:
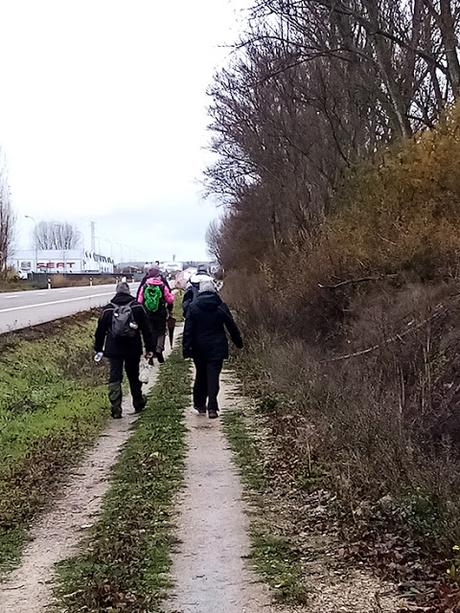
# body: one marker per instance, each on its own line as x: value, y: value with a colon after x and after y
x: 154, y: 272
x: 207, y: 286
x: 123, y: 288
x: 202, y: 270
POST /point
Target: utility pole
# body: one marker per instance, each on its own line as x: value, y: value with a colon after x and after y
x: 93, y: 237
x: 34, y: 239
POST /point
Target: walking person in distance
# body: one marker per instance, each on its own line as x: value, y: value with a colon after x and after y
x: 122, y: 327
x: 158, y: 301
x: 148, y: 274
x: 205, y: 341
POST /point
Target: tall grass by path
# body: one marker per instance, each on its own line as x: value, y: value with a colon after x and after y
x: 272, y: 554
x: 124, y: 562
x: 51, y: 408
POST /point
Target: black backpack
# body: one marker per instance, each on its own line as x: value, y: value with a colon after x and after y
x: 123, y: 323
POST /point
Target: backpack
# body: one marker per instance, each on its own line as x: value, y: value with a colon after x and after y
x: 123, y: 322
x: 153, y: 297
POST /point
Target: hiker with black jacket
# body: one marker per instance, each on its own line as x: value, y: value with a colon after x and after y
x: 205, y: 340
x: 193, y: 287
x: 122, y: 326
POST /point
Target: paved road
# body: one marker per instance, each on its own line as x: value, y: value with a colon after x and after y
x: 22, y: 309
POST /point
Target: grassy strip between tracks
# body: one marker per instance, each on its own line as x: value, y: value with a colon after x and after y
x: 177, y: 308
x: 125, y: 561
x: 51, y: 408
x: 272, y: 555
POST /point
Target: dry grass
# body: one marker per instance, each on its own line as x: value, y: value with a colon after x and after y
x: 384, y: 422
x: 354, y: 334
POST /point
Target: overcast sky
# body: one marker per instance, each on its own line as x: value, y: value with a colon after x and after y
x: 103, y: 116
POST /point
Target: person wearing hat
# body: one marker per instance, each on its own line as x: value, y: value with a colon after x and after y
x: 193, y: 287
x: 122, y: 327
x: 205, y: 341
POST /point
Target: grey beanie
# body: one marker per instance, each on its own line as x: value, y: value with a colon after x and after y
x: 207, y: 286
x: 123, y: 288
x: 202, y: 269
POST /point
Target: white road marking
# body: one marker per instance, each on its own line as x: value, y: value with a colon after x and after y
x: 36, y: 292
x: 44, y: 304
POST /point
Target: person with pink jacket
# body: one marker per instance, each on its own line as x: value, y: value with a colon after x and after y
x: 157, y: 299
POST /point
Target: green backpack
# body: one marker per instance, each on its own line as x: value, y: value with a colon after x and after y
x: 153, y: 297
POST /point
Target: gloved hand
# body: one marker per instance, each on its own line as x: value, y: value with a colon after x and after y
x: 98, y: 357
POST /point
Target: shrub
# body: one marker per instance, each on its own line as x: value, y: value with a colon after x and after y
x: 357, y: 330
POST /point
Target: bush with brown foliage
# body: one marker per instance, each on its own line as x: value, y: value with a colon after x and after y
x: 400, y: 213
x: 358, y: 332
x: 337, y: 161
x: 379, y: 408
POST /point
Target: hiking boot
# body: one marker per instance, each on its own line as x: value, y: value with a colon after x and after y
x: 201, y: 411
x: 213, y: 414
x: 160, y: 357
x: 139, y: 405
x: 116, y: 414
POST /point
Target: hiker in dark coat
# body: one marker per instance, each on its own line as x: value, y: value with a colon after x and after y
x: 122, y: 327
x: 193, y: 287
x: 205, y: 340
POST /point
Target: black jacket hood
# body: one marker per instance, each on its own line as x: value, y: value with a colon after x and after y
x: 122, y: 299
x: 208, y: 301
x: 207, y: 321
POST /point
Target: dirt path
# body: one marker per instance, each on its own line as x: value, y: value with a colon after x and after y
x: 209, y: 568
x: 58, y: 532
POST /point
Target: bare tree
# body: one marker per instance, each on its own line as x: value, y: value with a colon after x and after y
x: 7, y: 221
x: 313, y: 88
x: 213, y: 238
x: 56, y: 235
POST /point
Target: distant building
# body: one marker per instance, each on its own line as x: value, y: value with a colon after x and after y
x: 168, y: 267
x: 129, y: 267
x: 171, y: 266
x: 26, y: 261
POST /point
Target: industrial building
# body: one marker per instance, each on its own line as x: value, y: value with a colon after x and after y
x: 26, y: 261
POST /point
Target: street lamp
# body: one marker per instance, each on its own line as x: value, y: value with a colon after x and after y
x: 34, y: 240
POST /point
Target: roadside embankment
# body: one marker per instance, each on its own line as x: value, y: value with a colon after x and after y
x: 352, y: 348
x: 52, y: 402
x: 42, y: 280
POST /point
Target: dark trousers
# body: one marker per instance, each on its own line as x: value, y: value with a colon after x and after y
x: 206, y: 386
x: 157, y: 323
x: 131, y: 364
